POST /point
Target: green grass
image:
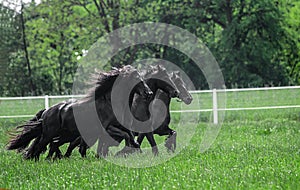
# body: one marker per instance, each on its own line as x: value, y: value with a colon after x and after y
x: 254, y: 150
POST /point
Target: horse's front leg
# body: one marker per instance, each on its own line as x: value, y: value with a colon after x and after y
x: 141, y: 137
x: 58, y: 154
x: 170, y: 143
x: 152, y: 142
x: 102, y: 149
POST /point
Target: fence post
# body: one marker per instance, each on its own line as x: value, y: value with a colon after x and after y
x: 46, y: 102
x: 215, y: 106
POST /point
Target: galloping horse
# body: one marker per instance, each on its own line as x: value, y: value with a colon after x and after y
x: 156, y: 78
x: 59, y: 121
x: 164, y: 87
x: 140, y: 111
x: 164, y: 129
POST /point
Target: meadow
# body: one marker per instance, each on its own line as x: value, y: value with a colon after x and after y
x: 255, y: 149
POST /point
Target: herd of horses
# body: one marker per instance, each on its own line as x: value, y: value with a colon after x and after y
x: 58, y: 124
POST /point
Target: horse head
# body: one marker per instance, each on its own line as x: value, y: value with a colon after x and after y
x: 158, y: 78
x: 184, y: 94
x: 132, y: 76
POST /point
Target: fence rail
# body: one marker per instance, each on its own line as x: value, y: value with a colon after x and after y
x: 215, y: 108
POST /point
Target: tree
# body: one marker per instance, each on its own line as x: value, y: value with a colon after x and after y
x: 255, y: 42
x: 15, y: 78
x: 291, y: 52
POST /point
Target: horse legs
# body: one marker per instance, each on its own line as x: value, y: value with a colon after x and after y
x: 102, y: 150
x: 51, y: 151
x: 82, y: 148
x: 71, y: 146
x: 130, y: 144
x: 54, y: 148
x: 38, y: 147
x: 152, y: 142
x: 141, y: 137
x: 28, y: 154
x: 170, y: 143
x: 150, y: 139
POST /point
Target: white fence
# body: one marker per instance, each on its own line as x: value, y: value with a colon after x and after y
x: 213, y: 98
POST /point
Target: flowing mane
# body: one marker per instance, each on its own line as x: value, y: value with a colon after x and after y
x: 149, y: 71
x: 102, y: 82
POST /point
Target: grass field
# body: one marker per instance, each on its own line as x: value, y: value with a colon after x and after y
x: 254, y: 150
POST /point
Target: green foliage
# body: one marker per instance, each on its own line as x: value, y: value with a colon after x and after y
x: 291, y: 24
x: 255, y: 42
x: 12, y: 65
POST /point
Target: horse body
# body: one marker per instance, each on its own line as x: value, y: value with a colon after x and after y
x: 68, y: 131
x: 49, y: 127
x: 156, y: 78
x: 57, y: 125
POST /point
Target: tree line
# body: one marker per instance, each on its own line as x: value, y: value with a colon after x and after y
x: 256, y: 43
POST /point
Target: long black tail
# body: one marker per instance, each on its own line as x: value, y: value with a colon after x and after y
x: 21, y: 139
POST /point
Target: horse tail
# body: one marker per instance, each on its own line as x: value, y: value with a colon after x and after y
x: 21, y: 139
x: 37, y: 116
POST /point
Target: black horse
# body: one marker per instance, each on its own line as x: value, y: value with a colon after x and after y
x: 164, y: 129
x: 140, y: 110
x: 156, y: 78
x: 59, y: 121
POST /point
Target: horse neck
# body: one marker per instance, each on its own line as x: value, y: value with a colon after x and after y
x: 152, y: 85
x: 106, y: 87
x: 163, y: 96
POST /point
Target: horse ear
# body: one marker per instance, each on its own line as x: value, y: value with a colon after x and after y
x: 162, y: 69
x: 173, y: 75
x: 159, y: 67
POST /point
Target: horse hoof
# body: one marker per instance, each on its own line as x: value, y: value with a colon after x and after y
x: 155, y: 151
x: 170, y: 146
x: 101, y: 155
x: 126, y: 151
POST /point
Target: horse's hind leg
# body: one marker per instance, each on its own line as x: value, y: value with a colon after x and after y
x: 51, y: 151
x: 72, y: 146
x: 29, y: 153
x: 54, y: 148
x: 82, y: 148
x: 58, y: 154
x: 131, y: 144
x: 41, y: 146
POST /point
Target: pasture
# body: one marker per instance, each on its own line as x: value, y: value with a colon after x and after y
x: 255, y: 149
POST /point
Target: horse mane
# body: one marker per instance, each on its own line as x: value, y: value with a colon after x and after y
x: 102, y: 82
x: 150, y: 70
